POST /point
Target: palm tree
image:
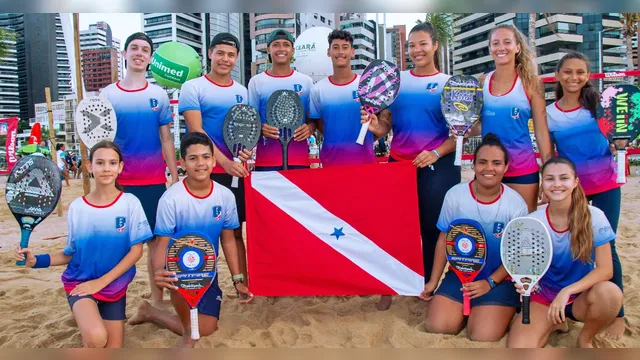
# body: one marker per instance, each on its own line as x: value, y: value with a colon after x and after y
x: 629, y: 29
x: 533, y: 17
x: 442, y: 24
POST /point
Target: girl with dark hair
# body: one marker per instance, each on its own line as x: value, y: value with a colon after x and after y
x: 575, y: 132
x: 106, y: 231
x: 493, y: 300
x: 421, y: 134
x: 577, y: 285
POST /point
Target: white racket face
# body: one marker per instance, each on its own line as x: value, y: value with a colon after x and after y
x: 526, y: 251
x: 95, y: 120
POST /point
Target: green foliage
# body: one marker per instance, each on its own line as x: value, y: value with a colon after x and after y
x: 442, y: 24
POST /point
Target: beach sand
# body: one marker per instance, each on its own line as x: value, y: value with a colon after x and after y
x: 34, y: 312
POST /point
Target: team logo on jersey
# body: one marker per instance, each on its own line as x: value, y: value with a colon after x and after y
x: 498, y: 228
x: 354, y: 94
x: 432, y: 87
x: 297, y: 88
x: 515, y: 112
x: 121, y: 223
x: 238, y: 99
x: 154, y: 104
x: 217, y: 212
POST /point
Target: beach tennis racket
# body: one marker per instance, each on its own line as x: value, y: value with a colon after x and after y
x: 526, y: 252
x: 192, y: 256
x: 241, y: 130
x: 466, y: 250
x: 618, y: 114
x: 32, y: 193
x: 285, y: 112
x: 461, y: 104
x: 377, y: 89
x: 95, y: 120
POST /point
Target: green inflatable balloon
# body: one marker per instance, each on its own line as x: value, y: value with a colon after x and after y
x: 174, y: 63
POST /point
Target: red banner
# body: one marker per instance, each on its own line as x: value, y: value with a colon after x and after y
x: 607, y: 75
x: 9, y: 127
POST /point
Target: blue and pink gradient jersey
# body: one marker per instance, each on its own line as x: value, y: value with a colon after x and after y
x: 181, y: 210
x: 508, y: 116
x: 99, y: 237
x: 418, y: 123
x: 213, y: 101
x: 140, y: 114
x: 339, y: 108
x: 564, y: 269
x: 261, y: 86
x: 577, y: 137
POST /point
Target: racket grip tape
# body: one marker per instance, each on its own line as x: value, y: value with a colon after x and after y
x: 458, y: 160
x: 24, y: 243
x: 466, y: 301
x: 363, y: 132
x: 526, y: 319
x: 234, y: 181
x: 621, y: 156
x: 195, y: 333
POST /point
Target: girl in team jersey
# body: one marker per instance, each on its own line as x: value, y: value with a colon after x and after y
x: 512, y: 95
x: 106, y: 232
x: 572, y: 125
x: 577, y: 285
x: 493, y: 300
x: 420, y: 132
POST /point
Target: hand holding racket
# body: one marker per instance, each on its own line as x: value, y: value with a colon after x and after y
x: 241, y: 131
x: 618, y: 115
x: 32, y: 193
x: 192, y: 257
x: 461, y: 104
x: 377, y: 89
x: 95, y: 121
x: 286, y: 113
x: 466, y: 251
x: 526, y: 251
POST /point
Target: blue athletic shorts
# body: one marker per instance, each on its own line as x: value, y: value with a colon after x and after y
x: 533, y: 178
x: 108, y: 310
x: 211, y: 300
x: 149, y: 196
x: 504, y: 294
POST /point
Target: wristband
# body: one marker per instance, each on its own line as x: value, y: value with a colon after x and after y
x: 436, y: 152
x: 492, y: 283
x: 42, y: 261
x: 237, y: 277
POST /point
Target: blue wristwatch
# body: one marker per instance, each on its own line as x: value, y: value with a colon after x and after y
x: 491, y: 282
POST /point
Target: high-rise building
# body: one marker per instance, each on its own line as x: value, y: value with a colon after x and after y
x: 43, y: 63
x: 364, y: 39
x: 99, y: 36
x: 99, y: 67
x: 396, y: 38
x: 233, y: 24
x: 9, y: 94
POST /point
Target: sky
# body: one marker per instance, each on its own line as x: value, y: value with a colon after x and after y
x: 124, y: 24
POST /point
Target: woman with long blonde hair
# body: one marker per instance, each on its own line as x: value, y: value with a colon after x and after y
x: 513, y: 94
x: 577, y: 285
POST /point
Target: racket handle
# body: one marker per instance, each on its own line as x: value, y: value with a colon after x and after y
x: 525, y: 309
x: 234, y: 181
x: 458, y: 160
x: 195, y: 333
x: 24, y: 243
x: 363, y: 132
x: 466, y: 311
x: 621, y: 156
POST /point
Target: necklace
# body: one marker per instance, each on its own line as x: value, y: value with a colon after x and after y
x: 565, y: 113
x: 477, y: 199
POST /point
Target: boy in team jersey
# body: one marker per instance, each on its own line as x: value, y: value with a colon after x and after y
x: 204, y: 103
x: 196, y: 203
x: 143, y: 114
x: 280, y: 77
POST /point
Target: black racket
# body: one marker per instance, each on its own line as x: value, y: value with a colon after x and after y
x: 32, y: 193
x: 377, y: 89
x: 618, y: 115
x: 285, y: 112
x: 192, y: 256
x: 461, y: 104
x: 241, y: 130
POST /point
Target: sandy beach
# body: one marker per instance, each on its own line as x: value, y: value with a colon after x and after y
x: 34, y: 312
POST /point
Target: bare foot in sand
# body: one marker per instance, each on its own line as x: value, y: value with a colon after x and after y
x: 616, y: 328
x: 142, y: 315
x: 384, y: 303
x: 585, y: 344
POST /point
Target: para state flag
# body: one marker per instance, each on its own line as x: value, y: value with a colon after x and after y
x: 347, y: 230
